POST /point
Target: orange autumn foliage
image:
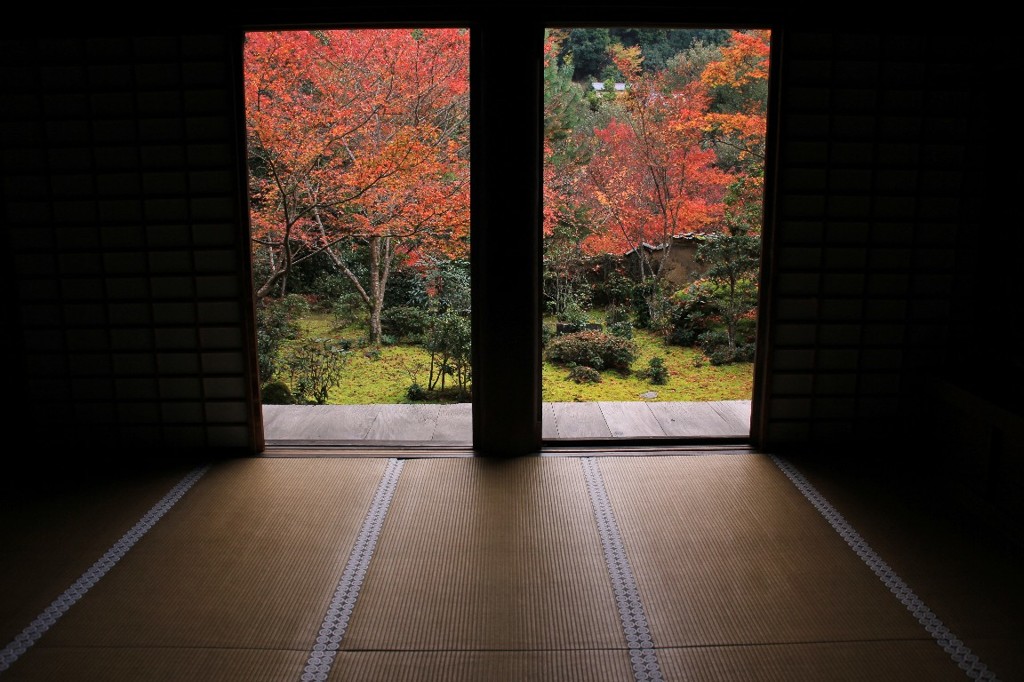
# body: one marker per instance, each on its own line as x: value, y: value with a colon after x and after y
x: 357, y: 136
x: 651, y: 177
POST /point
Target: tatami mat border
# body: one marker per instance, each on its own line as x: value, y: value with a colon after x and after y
x: 643, y: 656
x: 328, y: 641
x: 961, y: 654
x: 52, y: 613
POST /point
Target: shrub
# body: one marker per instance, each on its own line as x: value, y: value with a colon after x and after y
x: 449, y: 394
x: 332, y: 286
x: 547, y: 331
x: 617, y: 288
x: 715, y: 346
x: 656, y: 371
x: 449, y: 342
x: 276, y: 323
x: 652, y: 305
x: 573, y: 317
x: 718, y: 320
x: 619, y: 321
x: 315, y: 366
x: 406, y: 288
x: 584, y: 375
x: 348, y: 309
x: 415, y: 392
x: 623, y: 330
x: 405, y: 322
x: 692, y: 315
x: 617, y: 313
x: 592, y: 349
x: 277, y: 393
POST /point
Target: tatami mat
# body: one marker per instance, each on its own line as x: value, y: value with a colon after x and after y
x: 866, y: 661
x: 157, y: 664
x: 972, y: 578
x: 482, y: 666
x: 51, y: 536
x: 476, y: 570
x: 246, y: 561
x: 492, y: 556
x: 728, y: 554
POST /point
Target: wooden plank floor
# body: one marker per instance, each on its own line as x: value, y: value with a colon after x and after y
x: 452, y: 424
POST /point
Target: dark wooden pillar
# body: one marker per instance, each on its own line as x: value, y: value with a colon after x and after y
x: 506, y: 247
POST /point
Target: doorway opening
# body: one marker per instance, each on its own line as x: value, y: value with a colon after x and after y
x: 358, y: 160
x: 653, y: 210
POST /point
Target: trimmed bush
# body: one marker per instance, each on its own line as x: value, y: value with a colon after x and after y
x: 656, y: 371
x: 584, y: 375
x: 415, y: 392
x: 277, y: 393
x: 592, y: 349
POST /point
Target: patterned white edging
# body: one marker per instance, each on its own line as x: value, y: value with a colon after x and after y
x: 328, y: 640
x: 61, y: 604
x: 642, y: 654
x: 950, y: 643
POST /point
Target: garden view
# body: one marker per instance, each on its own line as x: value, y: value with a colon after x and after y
x: 358, y: 150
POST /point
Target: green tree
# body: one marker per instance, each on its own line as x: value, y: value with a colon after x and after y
x: 565, y: 284
x: 660, y: 45
x: 734, y: 261
x: 587, y: 50
x: 448, y: 337
x: 568, y: 121
x: 449, y: 343
x: 739, y: 81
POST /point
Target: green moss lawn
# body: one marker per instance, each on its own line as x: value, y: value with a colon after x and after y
x: 383, y: 375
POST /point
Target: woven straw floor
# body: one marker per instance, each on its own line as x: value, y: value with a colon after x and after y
x: 728, y: 567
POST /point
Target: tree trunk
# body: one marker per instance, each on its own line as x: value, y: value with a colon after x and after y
x: 380, y: 268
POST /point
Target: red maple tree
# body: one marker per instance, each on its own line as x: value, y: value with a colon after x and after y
x: 738, y: 127
x: 651, y: 177
x: 358, y: 149
x: 683, y: 153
